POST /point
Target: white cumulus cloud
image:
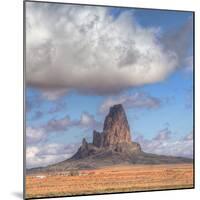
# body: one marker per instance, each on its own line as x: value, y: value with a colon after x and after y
x: 164, y: 144
x: 46, y: 154
x: 87, y: 49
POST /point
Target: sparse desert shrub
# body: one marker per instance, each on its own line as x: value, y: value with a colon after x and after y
x: 74, y: 172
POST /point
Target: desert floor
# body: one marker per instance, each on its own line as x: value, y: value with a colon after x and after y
x: 110, y: 180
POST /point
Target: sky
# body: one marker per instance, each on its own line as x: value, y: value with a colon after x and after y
x: 81, y: 60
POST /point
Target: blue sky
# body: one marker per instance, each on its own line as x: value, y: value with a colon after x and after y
x: 63, y: 111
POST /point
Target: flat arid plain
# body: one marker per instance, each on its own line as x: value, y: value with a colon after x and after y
x: 110, y: 180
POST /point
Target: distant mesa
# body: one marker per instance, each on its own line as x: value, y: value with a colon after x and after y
x: 110, y: 147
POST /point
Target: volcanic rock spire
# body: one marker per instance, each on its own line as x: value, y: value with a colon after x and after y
x: 116, y: 128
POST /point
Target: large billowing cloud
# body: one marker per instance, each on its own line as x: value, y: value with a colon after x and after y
x: 136, y: 100
x: 164, y: 144
x: 87, y: 49
x: 179, y: 40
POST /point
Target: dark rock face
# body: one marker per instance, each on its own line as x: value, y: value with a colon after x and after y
x: 83, y: 150
x: 97, y: 139
x: 116, y: 128
x: 128, y: 148
x: 84, y: 143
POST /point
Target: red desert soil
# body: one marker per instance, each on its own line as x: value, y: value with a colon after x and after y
x: 111, y: 179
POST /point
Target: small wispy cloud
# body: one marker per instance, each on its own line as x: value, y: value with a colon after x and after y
x: 164, y: 144
x: 35, y: 135
x: 86, y: 122
x: 53, y: 94
x: 58, y: 125
x: 188, y: 66
x: 46, y: 154
x: 138, y: 100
